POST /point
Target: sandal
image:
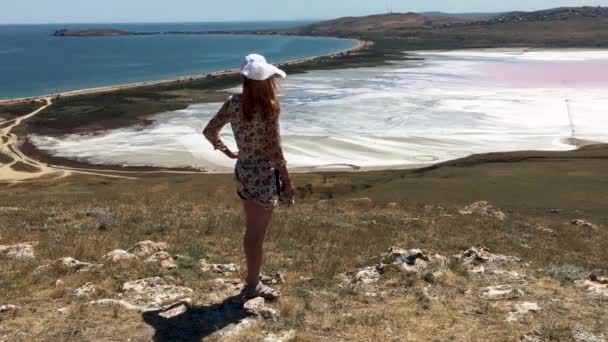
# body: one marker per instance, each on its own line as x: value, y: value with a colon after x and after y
x: 261, y: 290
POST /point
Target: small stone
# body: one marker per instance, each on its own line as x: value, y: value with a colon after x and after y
x: 368, y: 275
x: 218, y: 268
x: 520, y: 310
x: 64, y: 310
x: 392, y: 205
x: 584, y: 224
x: 475, y: 256
x: 59, y: 283
x: 546, y: 230
x: 500, y: 292
x: 163, y: 259
x: 74, y: 265
x: 9, y: 309
x: 174, y: 312
x: 119, y: 255
x: 273, y: 279
x: 144, y: 249
x: 257, y: 307
x: 483, y: 208
x: 23, y: 250
x: 234, y: 330
x: 85, y: 291
x: 285, y: 336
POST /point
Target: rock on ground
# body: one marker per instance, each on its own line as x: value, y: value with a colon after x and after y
x: 74, y: 265
x: 416, y: 261
x: 119, y: 255
x: 257, y: 307
x: 235, y: 329
x: 595, y: 286
x: 483, y: 208
x: 153, y: 292
x: 9, y: 308
x: 85, y: 291
x: 273, y: 279
x: 144, y: 249
x: 162, y: 259
x: 584, y: 224
x: 23, y: 250
x: 520, y: 310
x: 473, y: 257
x: 500, y: 292
x: 174, y: 312
x: 218, y: 268
x: 368, y: 275
x: 285, y: 336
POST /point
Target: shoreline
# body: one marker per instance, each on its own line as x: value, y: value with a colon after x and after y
x: 339, y: 59
x: 361, y: 44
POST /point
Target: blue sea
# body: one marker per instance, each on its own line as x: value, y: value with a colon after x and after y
x: 33, y: 62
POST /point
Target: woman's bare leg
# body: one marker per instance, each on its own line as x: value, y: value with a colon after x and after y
x: 258, y: 219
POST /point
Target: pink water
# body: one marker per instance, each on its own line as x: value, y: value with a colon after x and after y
x: 546, y: 74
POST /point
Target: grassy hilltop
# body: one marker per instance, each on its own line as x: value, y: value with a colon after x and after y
x: 157, y: 256
x: 327, y: 253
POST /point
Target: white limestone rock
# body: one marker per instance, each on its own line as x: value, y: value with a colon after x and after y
x: 258, y: 308
x: 144, y: 249
x: 85, y: 291
x: 483, y: 208
x: 500, y: 292
x: 119, y: 255
x: 162, y: 259
x: 23, y: 250
x: 585, y: 224
x: 521, y: 310
x: 153, y: 292
x: 9, y: 309
x: 218, y: 268
x: 284, y: 336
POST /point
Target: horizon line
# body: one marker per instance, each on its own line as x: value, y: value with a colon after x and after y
x: 163, y: 22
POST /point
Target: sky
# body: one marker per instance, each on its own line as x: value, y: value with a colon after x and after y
x: 87, y: 11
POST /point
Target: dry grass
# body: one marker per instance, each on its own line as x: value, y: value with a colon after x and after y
x: 200, y: 217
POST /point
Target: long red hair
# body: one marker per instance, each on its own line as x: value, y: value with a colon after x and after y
x: 261, y: 96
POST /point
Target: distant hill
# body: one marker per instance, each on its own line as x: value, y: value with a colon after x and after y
x: 379, y: 23
x: 557, y: 27
x: 463, y: 16
x: 561, y: 13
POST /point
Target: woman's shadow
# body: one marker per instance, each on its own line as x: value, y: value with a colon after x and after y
x: 195, y: 323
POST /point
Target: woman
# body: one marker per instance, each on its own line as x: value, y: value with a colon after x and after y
x: 261, y: 166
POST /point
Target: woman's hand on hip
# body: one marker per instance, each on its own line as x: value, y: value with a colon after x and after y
x: 230, y: 154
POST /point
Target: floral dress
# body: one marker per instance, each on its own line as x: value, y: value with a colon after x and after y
x: 260, y: 152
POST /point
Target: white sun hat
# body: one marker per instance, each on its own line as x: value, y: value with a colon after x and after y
x: 255, y: 67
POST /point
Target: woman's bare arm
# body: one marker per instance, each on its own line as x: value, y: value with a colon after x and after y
x: 212, y: 131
